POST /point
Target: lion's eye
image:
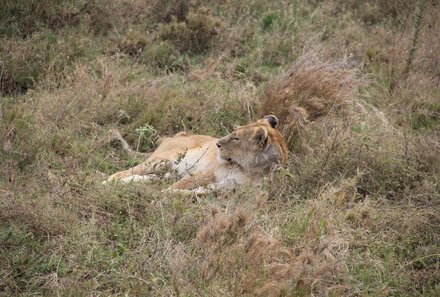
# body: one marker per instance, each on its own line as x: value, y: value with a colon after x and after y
x: 235, y: 138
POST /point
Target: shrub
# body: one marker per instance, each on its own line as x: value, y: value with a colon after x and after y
x: 195, y: 35
x: 162, y: 55
x: 133, y: 43
x: 165, y: 10
x: 269, y: 20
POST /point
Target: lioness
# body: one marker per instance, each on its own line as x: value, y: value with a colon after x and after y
x: 203, y: 163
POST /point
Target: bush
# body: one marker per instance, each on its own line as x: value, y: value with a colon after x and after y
x: 195, y: 35
x: 133, y: 43
x: 163, y: 55
x: 269, y: 20
x: 165, y: 10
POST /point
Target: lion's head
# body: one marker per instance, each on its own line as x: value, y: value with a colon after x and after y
x: 254, y: 147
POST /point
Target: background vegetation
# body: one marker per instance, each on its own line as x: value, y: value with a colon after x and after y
x: 354, y: 83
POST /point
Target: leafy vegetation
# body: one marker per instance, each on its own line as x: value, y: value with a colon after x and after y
x: 355, y: 85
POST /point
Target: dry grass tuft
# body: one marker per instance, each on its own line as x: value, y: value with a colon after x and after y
x: 42, y: 216
x: 222, y: 227
x: 375, y: 11
x: 263, y: 265
x: 310, y: 90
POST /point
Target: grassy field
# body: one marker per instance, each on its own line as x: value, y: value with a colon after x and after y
x: 355, y: 84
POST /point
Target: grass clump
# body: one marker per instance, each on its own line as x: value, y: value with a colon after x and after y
x: 309, y: 91
x: 165, y: 11
x: 164, y: 56
x: 195, y: 35
x: 269, y: 20
x: 24, y: 62
x: 23, y: 18
x: 133, y: 43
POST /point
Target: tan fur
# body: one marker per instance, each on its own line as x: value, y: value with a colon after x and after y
x: 203, y: 163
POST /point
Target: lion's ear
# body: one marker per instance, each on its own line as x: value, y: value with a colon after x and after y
x: 271, y: 120
x: 261, y: 136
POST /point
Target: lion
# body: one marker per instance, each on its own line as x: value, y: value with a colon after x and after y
x: 204, y: 164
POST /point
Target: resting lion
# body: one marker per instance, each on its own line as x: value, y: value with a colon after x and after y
x: 203, y: 163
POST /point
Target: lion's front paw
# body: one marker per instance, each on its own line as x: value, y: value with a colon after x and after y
x: 139, y: 178
x: 200, y: 191
x: 171, y: 190
x: 197, y: 192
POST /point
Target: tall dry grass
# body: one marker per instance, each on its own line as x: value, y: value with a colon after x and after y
x: 310, y: 90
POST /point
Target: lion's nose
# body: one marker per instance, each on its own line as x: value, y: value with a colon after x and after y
x: 218, y: 145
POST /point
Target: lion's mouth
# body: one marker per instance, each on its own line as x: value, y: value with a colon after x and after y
x: 232, y: 162
x: 227, y: 159
x: 224, y: 158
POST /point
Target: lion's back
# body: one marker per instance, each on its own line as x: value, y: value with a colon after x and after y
x: 182, y: 141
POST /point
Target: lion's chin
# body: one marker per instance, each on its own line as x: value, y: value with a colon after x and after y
x: 223, y: 160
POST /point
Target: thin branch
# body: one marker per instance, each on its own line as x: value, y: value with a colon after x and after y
x: 420, y: 8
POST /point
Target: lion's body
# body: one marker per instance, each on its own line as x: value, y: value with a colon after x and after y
x: 202, y: 162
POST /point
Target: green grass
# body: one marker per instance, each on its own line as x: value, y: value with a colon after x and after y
x: 355, y: 213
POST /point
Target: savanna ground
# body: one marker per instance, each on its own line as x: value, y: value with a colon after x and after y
x: 356, y: 85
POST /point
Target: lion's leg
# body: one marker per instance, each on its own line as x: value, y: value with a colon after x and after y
x: 140, y: 169
x: 141, y: 178
x: 189, y: 182
x: 157, y: 167
x: 189, y: 185
x: 171, y: 150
